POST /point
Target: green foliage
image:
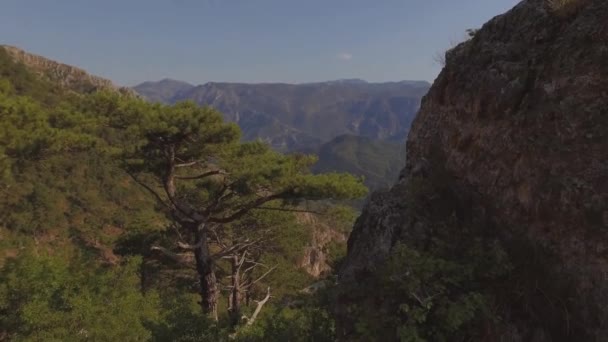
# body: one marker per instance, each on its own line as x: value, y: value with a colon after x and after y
x: 303, y: 324
x: 23, y: 82
x: 433, y: 287
x: 426, y: 298
x: 58, y: 174
x: 379, y: 162
x: 182, y: 321
x: 44, y: 298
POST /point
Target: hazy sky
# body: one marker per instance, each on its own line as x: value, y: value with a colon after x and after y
x: 130, y: 41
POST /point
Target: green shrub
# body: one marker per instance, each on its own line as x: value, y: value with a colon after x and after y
x: 45, y: 298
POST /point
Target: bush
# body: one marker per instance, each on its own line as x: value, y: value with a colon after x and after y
x: 291, y: 324
x: 45, y: 298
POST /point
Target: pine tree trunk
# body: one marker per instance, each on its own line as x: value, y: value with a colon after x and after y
x: 235, y: 295
x: 209, y: 291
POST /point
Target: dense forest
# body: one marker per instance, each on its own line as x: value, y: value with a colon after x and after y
x: 122, y: 220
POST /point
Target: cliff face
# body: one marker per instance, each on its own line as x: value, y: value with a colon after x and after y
x: 315, y: 259
x: 66, y: 76
x: 519, y: 120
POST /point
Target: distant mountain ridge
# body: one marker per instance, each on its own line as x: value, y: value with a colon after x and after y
x: 163, y: 90
x: 292, y: 117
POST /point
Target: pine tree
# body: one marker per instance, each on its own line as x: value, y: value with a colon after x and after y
x: 204, y: 178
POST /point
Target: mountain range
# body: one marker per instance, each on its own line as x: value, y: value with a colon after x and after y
x: 352, y: 125
x: 292, y: 117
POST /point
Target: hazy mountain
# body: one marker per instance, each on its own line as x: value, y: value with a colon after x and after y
x: 163, y: 90
x: 299, y: 116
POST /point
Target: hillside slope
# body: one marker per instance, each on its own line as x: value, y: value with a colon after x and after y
x: 379, y: 162
x: 64, y: 75
x: 506, y: 181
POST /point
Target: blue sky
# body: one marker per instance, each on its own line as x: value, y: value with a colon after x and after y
x: 130, y: 41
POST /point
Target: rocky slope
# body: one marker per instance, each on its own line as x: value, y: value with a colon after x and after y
x: 518, y: 121
x: 297, y: 116
x: 64, y: 75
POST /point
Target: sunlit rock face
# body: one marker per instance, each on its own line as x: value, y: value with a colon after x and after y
x: 519, y: 119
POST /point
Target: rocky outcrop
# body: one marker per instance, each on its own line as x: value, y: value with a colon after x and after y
x: 66, y: 76
x: 315, y: 259
x: 519, y: 119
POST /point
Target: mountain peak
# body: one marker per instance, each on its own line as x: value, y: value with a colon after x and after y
x: 162, y: 91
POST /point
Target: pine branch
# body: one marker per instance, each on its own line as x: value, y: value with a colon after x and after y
x: 150, y: 190
x: 246, y: 208
x: 202, y: 175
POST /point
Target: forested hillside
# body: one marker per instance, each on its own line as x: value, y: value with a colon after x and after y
x: 379, y: 162
x: 122, y: 220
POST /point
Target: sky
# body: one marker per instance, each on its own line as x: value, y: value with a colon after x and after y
x: 293, y: 41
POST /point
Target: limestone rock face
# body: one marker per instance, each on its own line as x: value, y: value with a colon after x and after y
x: 519, y: 115
x: 315, y: 259
x: 67, y: 76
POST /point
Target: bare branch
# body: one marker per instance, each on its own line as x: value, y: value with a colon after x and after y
x: 254, y: 265
x: 234, y: 248
x: 188, y: 246
x: 251, y: 320
x: 242, y: 261
x: 217, y: 238
x: 185, y: 259
x: 289, y: 210
x: 263, y: 276
x: 189, y: 163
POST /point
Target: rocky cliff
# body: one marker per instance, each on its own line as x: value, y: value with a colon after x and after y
x: 517, y: 125
x: 315, y: 259
x: 66, y: 76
